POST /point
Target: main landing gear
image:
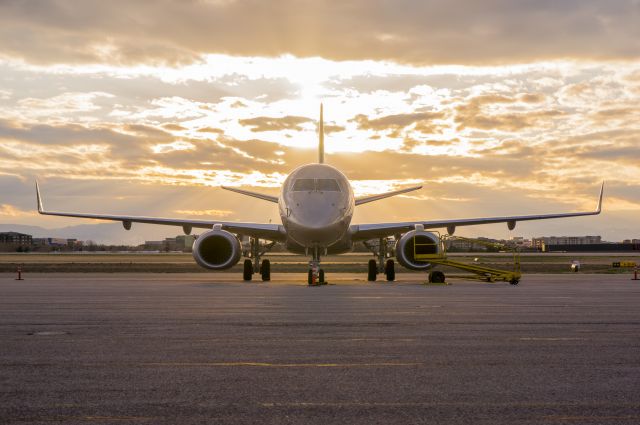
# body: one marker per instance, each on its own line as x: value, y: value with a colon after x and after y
x: 436, y: 276
x: 255, y: 252
x: 387, y: 267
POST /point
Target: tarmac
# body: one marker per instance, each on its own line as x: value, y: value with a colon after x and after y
x: 210, y: 349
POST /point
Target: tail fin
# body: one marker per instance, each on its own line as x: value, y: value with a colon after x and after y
x: 321, y: 137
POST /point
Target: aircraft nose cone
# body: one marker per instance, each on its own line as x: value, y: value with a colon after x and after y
x: 315, y: 222
x: 315, y: 215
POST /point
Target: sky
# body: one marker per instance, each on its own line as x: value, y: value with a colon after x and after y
x: 498, y: 107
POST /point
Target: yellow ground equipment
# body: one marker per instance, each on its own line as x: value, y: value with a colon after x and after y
x: 424, y: 252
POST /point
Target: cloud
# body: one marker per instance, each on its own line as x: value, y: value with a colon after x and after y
x: 509, y: 138
x: 7, y: 210
x: 259, y: 124
x: 422, y: 122
x: 408, y: 31
x: 473, y: 114
x: 395, y: 121
x: 210, y: 130
x: 173, y: 127
x: 208, y: 213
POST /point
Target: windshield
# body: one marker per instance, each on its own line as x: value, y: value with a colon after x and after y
x: 327, y: 185
x: 320, y: 185
x: 302, y: 185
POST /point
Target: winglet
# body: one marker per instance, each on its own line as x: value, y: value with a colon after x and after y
x: 600, y: 199
x: 321, y: 138
x: 39, y: 198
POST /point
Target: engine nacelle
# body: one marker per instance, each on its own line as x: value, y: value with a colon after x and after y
x: 428, y: 243
x: 217, y: 250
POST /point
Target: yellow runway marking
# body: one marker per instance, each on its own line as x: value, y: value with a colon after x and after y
x: 345, y: 404
x: 463, y: 404
x: 76, y: 419
x: 591, y: 418
x: 551, y: 339
x: 283, y: 365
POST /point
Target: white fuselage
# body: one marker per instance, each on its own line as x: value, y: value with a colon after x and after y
x: 316, y: 206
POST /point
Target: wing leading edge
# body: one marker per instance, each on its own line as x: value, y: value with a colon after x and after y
x: 273, y: 232
x: 378, y: 230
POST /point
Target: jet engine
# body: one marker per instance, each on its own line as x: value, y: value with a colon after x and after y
x: 217, y: 250
x: 427, y: 243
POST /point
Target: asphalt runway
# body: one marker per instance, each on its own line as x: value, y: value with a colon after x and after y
x: 209, y: 349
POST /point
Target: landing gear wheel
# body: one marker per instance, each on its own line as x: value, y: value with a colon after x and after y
x: 436, y: 277
x: 310, y: 277
x: 373, y: 271
x: 514, y: 281
x: 247, y: 270
x: 321, y: 276
x: 265, y: 270
x: 390, y: 270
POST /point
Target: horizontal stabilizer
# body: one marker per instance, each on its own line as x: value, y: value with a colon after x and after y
x: 254, y: 194
x: 372, y: 198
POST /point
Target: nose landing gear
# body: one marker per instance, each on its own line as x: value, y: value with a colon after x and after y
x: 315, y: 275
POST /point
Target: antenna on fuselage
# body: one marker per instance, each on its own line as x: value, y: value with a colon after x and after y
x: 321, y: 137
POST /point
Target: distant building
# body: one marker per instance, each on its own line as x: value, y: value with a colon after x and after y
x: 461, y: 245
x: 185, y: 242
x: 480, y: 244
x: 543, y: 241
x: 169, y: 244
x: 179, y: 243
x: 594, y: 247
x: 57, y: 242
x: 154, y: 245
x: 15, y: 238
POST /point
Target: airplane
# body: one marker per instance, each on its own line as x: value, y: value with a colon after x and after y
x: 316, y: 205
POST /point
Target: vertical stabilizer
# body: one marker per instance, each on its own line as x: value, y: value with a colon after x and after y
x: 321, y: 138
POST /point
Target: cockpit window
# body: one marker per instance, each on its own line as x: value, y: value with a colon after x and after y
x: 327, y: 185
x: 303, y: 185
x: 320, y: 185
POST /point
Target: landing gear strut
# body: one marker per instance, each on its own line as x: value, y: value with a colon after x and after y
x: 255, y: 252
x: 315, y: 275
x: 381, y: 251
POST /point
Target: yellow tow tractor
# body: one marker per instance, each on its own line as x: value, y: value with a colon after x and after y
x: 437, y: 255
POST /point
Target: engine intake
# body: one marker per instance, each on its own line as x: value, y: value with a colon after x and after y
x: 217, y: 250
x: 428, y: 243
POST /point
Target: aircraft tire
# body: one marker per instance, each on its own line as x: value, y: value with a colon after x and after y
x: 436, y: 277
x: 372, y: 272
x: 321, y: 276
x: 310, y: 277
x: 390, y: 270
x: 265, y: 270
x: 247, y: 270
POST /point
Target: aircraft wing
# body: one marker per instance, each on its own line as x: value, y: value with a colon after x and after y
x: 272, y: 232
x: 380, y: 230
